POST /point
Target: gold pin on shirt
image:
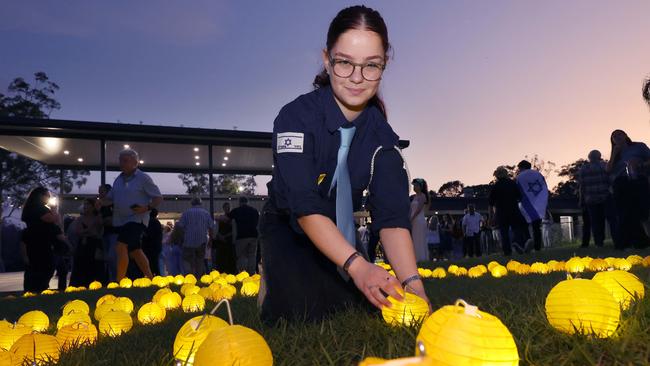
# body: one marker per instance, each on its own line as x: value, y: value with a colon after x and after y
x: 321, y: 178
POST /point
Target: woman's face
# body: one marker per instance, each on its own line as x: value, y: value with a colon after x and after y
x: 45, y: 198
x: 360, y: 47
x: 619, y: 138
x: 416, y: 188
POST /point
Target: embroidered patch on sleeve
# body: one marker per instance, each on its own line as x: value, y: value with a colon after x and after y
x: 290, y: 142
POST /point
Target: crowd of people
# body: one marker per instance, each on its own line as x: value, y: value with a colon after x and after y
x: 118, y: 234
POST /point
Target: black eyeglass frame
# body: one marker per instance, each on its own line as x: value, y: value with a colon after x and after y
x: 334, y: 61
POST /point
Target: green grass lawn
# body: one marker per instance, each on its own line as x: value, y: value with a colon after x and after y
x: 350, y: 336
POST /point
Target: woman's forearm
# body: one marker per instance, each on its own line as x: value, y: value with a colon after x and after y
x: 328, y: 239
x: 398, y: 245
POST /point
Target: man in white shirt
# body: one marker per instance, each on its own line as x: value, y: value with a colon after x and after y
x: 471, y: 230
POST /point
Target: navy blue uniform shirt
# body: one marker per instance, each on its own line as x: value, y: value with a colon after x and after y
x: 306, y: 141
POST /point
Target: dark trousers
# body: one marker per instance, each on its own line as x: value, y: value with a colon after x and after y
x: 37, y: 277
x: 518, y: 233
x: 62, y: 266
x: 472, y: 245
x: 586, y: 228
x: 596, y: 215
x: 84, y: 266
x: 631, y: 201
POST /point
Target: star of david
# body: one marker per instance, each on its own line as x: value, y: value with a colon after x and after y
x: 535, y: 187
x: 287, y: 142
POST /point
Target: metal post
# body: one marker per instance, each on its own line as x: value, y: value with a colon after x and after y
x: 211, y: 180
x: 102, y: 154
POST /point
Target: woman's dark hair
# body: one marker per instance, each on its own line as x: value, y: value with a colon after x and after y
x: 34, y: 199
x: 646, y: 91
x: 611, y: 140
x: 423, y: 186
x: 355, y: 17
x: 91, y: 202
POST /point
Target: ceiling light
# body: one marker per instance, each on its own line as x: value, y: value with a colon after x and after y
x: 225, y: 158
x: 66, y: 152
x: 127, y: 146
x: 80, y: 160
x: 196, y: 157
x: 196, y: 149
x: 223, y: 164
x: 227, y: 151
x: 197, y: 163
x: 141, y: 161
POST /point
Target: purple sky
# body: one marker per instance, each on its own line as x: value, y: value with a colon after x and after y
x: 473, y: 84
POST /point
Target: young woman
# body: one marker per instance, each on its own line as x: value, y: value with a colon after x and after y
x: 328, y: 147
x: 418, y: 221
x: 627, y: 166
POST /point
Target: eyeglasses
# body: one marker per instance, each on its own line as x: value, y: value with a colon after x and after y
x: 344, y: 69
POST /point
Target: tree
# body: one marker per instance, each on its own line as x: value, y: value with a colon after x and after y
x: 28, y: 101
x: 451, y: 189
x: 543, y: 166
x: 569, y: 187
x: 230, y: 184
x: 478, y: 191
x: 646, y: 91
x: 195, y: 183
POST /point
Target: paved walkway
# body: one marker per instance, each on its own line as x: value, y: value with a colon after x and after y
x: 13, y: 282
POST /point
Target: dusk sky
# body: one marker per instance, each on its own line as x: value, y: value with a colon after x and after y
x: 472, y: 85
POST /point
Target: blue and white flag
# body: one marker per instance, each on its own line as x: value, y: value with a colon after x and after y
x: 534, y: 195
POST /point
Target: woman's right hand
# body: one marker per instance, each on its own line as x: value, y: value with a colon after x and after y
x: 371, y: 280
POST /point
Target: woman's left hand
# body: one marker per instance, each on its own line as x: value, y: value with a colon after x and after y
x: 418, y: 289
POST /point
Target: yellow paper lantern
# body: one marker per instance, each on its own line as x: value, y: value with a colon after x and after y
x: 512, y: 265
x: 95, y: 285
x: 192, y: 334
x: 574, y: 265
x: 159, y: 281
x: 242, y: 275
x: 234, y: 345
x: 112, y: 285
x: 36, y: 349
x: 114, y: 323
x: 6, y: 358
x: 539, y: 268
x: 221, y: 281
x: 106, y: 308
x: 410, y: 311
x: 584, y: 306
x: 36, y: 319
x: 499, y: 271
x: 610, y: 261
x: 250, y: 288
x: 622, y: 264
x: 126, y: 283
x: 151, y: 313
x: 76, y: 306
x: 190, y: 278
x: 76, y: 335
x: 426, y: 273
x: 214, y: 274
x: 193, y: 303
x: 624, y: 286
x: 156, y: 297
x: 439, y: 273
x: 452, y: 268
x: 598, y: 264
x: 462, y: 335
x: 231, y: 279
x: 48, y: 292
x: 215, y: 286
x: 634, y: 259
x: 4, y: 323
x: 106, y: 299
x: 461, y: 271
x: 179, y: 279
x: 474, y: 272
x: 125, y: 304
x: 72, y: 318
x: 11, y: 333
x: 409, y: 361
x: 190, y: 289
x: 70, y: 289
x: 206, y: 279
x: 142, y: 282
x: 492, y: 264
x: 170, y: 301
x: 29, y: 294
x: 646, y: 261
x: 206, y: 293
x: 523, y: 269
x: 586, y: 260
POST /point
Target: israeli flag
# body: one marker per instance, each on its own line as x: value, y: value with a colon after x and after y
x: 534, y: 195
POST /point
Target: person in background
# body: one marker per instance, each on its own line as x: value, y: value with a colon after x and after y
x: 596, y: 200
x: 246, y: 218
x: 472, y: 230
x: 225, y: 258
x: 109, y: 238
x: 433, y: 239
x: 547, y: 225
x: 419, y: 205
x: 152, y: 242
x: 174, y: 257
x: 504, y: 213
x: 166, y: 246
x: 198, y: 227
x: 626, y: 166
x: 134, y: 194
x: 88, y: 230
x: 534, y: 199
x: 446, y: 238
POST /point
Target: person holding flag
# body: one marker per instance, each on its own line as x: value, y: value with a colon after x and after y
x: 534, y: 199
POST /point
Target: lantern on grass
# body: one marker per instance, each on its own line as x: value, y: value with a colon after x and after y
x: 189, y: 278
x: 76, y: 306
x: 106, y: 308
x: 462, y: 335
x: 574, y: 265
x: 190, y: 289
x: 427, y: 273
x: 250, y: 288
x: 108, y: 298
x: 498, y: 271
x: 126, y: 283
x: 452, y: 268
x: 192, y: 334
x: 598, y: 264
x: 586, y: 260
x: 36, y: 319
x: 461, y: 271
x: 159, y: 281
x: 622, y: 264
x: 151, y: 313
x: 410, y: 311
x: 156, y: 297
x: 179, y: 279
x: 634, y: 259
x: 37, y: 349
x: 142, y: 282
x: 72, y: 318
x: 70, y: 289
x: 646, y: 261
x: 193, y: 303
x: 112, y: 285
x: 233, y: 345
x: 125, y: 304
x: 114, y: 323
x: 584, y: 306
x: 242, y: 275
x: 48, y: 292
x: 523, y: 269
x: 28, y: 294
x: 206, y: 279
x: 512, y: 265
x: 231, y: 279
x: 624, y: 286
x: 492, y: 264
x: 215, y: 274
x: 474, y: 272
x: 170, y: 301
x: 11, y: 333
x: 6, y: 358
x: 206, y: 293
x: 95, y: 285
x: 610, y: 261
x: 539, y: 268
x: 439, y: 273
x: 77, y: 334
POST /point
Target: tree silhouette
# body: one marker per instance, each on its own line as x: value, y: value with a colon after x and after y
x: 646, y: 91
x: 451, y: 189
x: 569, y: 187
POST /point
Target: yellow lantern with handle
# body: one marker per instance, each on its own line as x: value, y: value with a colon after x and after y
x: 231, y: 279
x: 475, y: 272
x: 36, y: 319
x: 598, y: 264
x: 160, y: 281
x: 624, y: 286
x: 492, y: 264
x: 125, y: 304
x: 126, y: 283
x: 114, y: 323
x: 439, y: 273
x: 170, y: 301
x: 72, y: 318
x: 410, y: 311
x: 498, y: 271
x: 522, y: 269
x: 179, y: 279
x: 622, y: 264
x: 142, y: 282
x: 233, y: 345
x: 512, y: 265
x: 36, y: 349
x: 215, y: 274
x: 574, y: 265
x: 189, y: 289
x: 11, y: 333
x: 192, y: 334
x: 206, y: 279
x: 242, y: 275
x: 580, y: 305
x: 634, y: 259
x: 108, y: 298
x: 462, y: 335
x: 77, y: 334
x: 539, y: 268
x: 189, y: 278
x: 151, y: 313
x: 95, y: 285
x: 76, y: 306
x: 105, y: 308
x: 160, y: 293
x: 193, y: 303
x: 206, y: 293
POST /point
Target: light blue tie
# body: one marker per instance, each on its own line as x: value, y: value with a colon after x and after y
x: 344, y: 210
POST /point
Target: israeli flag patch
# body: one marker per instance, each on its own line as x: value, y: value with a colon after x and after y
x: 290, y: 142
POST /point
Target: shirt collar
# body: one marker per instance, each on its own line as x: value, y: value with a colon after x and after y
x: 334, y: 117
x: 135, y: 173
